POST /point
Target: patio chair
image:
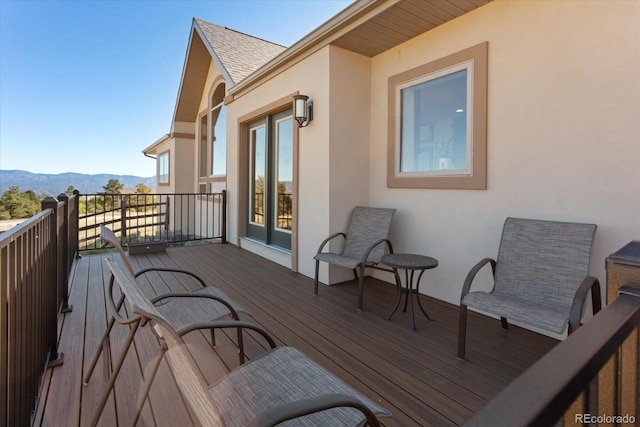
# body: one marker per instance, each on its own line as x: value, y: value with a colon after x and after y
x: 541, y: 277
x: 281, y: 384
x: 180, y: 308
x: 364, y: 244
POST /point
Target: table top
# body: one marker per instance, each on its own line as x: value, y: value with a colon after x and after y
x: 409, y: 261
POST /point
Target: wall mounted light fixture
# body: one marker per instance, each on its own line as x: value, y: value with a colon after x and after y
x: 302, y: 110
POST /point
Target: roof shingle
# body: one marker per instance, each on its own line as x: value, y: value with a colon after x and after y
x: 240, y: 54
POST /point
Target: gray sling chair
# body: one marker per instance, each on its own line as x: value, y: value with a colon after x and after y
x: 541, y: 277
x: 364, y: 244
x: 180, y: 308
x: 279, y: 385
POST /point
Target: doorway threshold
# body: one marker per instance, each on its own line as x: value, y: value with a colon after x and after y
x: 272, y: 253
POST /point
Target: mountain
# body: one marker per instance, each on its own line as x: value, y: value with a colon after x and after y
x: 55, y: 184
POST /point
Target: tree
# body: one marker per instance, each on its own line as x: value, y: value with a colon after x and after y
x: 113, y: 187
x: 15, y: 204
x: 141, y: 200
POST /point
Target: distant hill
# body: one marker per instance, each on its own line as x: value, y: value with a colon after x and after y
x: 55, y: 184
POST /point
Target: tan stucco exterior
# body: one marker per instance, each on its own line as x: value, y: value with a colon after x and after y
x: 562, y: 136
x: 563, y: 108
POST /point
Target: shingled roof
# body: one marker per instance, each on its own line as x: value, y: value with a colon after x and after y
x: 238, y: 53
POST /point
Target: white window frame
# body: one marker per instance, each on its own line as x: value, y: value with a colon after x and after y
x: 474, y: 175
x: 164, y: 164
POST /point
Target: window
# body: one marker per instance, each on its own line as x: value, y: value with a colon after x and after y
x: 218, y: 132
x: 163, y: 168
x: 212, y: 143
x: 202, y: 150
x: 437, y: 123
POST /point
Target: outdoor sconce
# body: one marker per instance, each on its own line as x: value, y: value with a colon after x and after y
x: 302, y: 110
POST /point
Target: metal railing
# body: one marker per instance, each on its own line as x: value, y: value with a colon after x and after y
x: 561, y: 383
x: 284, y: 210
x: 143, y: 218
x: 35, y: 260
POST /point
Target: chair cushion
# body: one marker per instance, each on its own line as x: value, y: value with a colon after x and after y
x: 280, y: 376
x: 519, y: 310
x: 180, y: 312
x: 337, y: 259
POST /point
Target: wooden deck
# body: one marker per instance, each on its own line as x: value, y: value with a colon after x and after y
x: 415, y: 375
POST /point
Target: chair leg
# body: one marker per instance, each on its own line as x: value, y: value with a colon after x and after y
x: 240, y: 347
x: 505, y: 324
x: 360, y: 287
x: 103, y: 341
x: 114, y: 374
x: 462, y: 332
x: 315, y: 284
x: 150, y: 374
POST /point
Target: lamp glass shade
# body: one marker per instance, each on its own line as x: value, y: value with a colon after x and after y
x: 300, y: 106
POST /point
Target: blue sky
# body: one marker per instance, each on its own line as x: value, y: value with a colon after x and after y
x: 86, y: 85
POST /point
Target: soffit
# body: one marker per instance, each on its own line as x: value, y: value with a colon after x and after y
x: 194, y: 77
x: 401, y: 22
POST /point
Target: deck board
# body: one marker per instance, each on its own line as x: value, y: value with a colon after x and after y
x: 415, y: 375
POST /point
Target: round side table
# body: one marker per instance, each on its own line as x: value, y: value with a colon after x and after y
x: 409, y: 263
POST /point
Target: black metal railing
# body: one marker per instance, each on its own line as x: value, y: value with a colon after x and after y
x: 284, y: 210
x: 562, y: 379
x: 35, y: 260
x: 142, y: 218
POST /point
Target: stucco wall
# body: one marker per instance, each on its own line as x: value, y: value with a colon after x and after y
x: 309, y: 77
x: 349, y: 145
x: 563, y: 129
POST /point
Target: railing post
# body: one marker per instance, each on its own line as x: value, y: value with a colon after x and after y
x: 123, y: 219
x: 51, y: 308
x: 64, y: 254
x: 224, y: 216
x: 618, y: 392
x: 74, y: 224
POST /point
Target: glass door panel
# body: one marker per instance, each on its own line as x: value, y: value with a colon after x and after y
x: 283, y: 182
x: 257, y: 175
x: 270, y: 216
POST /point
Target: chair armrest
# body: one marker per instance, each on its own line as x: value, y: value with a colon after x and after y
x: 166, y: 295
x: 325, y: 241
x: 224, y: 324
x: 288, y: 411
x: 373, y: 246
x: 114, y: 308
x: 171, y: 270
x: 589, y: 283
x: 472, y: 274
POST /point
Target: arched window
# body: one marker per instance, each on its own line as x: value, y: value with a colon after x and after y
x: 218, y: 150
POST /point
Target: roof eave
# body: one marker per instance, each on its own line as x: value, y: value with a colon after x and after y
x: 320, y: 37
x: 149, y: 150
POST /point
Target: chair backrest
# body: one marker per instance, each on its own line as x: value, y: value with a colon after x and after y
x: 543, y: 261
x: 139, y: 302
x: 108, y: 236
x: 189, y: 379
x: 186, y: 373
x: 367, y: 226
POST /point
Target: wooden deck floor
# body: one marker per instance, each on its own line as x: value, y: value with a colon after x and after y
x: 415, y: 375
